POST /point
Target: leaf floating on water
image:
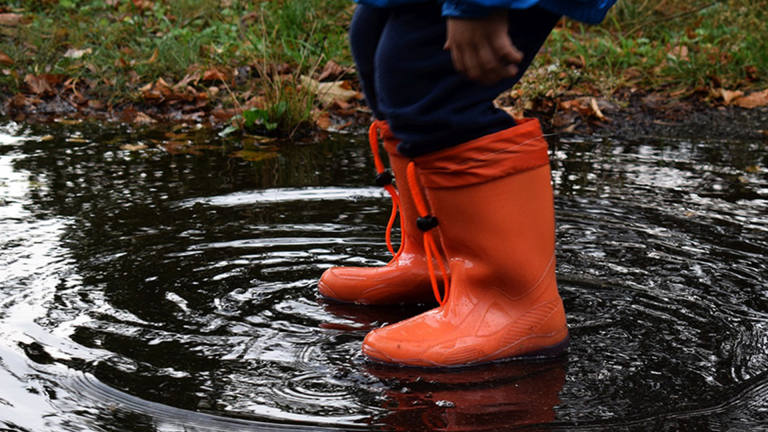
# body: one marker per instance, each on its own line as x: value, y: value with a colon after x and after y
x: 254, y: 155
x: 46, y: 138
x: 254, y: 141
x: 133, y: 147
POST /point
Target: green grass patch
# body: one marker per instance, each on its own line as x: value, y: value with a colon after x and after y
x: 110, y: 50
x: 673, y: 47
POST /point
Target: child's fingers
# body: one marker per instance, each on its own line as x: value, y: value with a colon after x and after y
x: 489, y: 69
x: 507, y: 51
x: 458, y: 61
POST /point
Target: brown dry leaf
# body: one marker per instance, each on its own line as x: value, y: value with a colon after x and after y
x: 96, y: 104
x: 142, y: 118
x: 193, y: 77
x: 180, y: 147
x: 143, y: 4
x: 133, y: 147
x: 323, y: 120
x: 752, y: 73
x: 514, y: 111
x: 333, y: 71
x: 328, y: 93
x: 728, y: 96
x: 154, y: 57
x: 225, y: 114
x: 596, y: 109
x: 5, y: 59
x: 39, y: 84
x: 255, y: 155
x: 754, y: 100
x: 156, y: 91
x: 679, y: 53
x: 575, y: 62
x: 586, y: 106
x: 11, y: 19
x: 214, y: 74
x: 69, y: 122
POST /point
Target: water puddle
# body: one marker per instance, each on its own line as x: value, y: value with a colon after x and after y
x: 143, y: 289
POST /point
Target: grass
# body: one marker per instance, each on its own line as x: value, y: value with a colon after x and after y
x: 673, y: 47
x: 125, y: 45
x: 110, y: 50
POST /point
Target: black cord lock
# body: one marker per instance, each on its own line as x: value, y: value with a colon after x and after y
x: 426, y: 223
x: 383, y: 179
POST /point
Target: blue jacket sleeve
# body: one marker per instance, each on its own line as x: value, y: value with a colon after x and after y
x: 479, y: 9
x: 588, y: 11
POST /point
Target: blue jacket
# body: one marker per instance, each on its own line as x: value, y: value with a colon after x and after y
x: 588, y: 11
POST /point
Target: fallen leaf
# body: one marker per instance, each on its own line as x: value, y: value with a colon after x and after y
x: 752, y: 73
x: 679, y: 53
x: 39, y: 84
x: 142, y: 118
x: 5, y: 59
x: 255, y: 156
x: 11, y: 19
x: 596, y: 109
x: 333, y: 71
x: 728, y: 96
x: 69, y: 122
x: 585, y: 106
x: 180, y: 147
x: 329, y: 92
x: 133, y: 147
x: 214, y: 74
x: 575, y: 62
x: 754, y: 100
x: 154, y: 57
x: 77, y: 53
x: 96, y: 104
x: 514, y: 111
x: 143, y: 4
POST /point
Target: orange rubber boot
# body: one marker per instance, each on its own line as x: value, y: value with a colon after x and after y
x: 492, y: 202
x: 406, y: 278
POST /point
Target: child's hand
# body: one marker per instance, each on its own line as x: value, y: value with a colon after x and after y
x: 481, y: 48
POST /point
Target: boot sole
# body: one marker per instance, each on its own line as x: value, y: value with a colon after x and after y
x: 542, y: 354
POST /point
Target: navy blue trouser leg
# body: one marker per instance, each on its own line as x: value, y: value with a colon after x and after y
x: 409, y: 80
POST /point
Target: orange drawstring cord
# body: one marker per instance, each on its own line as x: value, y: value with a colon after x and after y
x: 426, y: 223
x: 384, y: 179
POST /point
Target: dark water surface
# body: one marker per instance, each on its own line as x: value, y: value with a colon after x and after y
x: 152, y: 291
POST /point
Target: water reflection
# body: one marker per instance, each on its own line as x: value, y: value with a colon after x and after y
x: 145, y: 290
x: 496, y: 397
